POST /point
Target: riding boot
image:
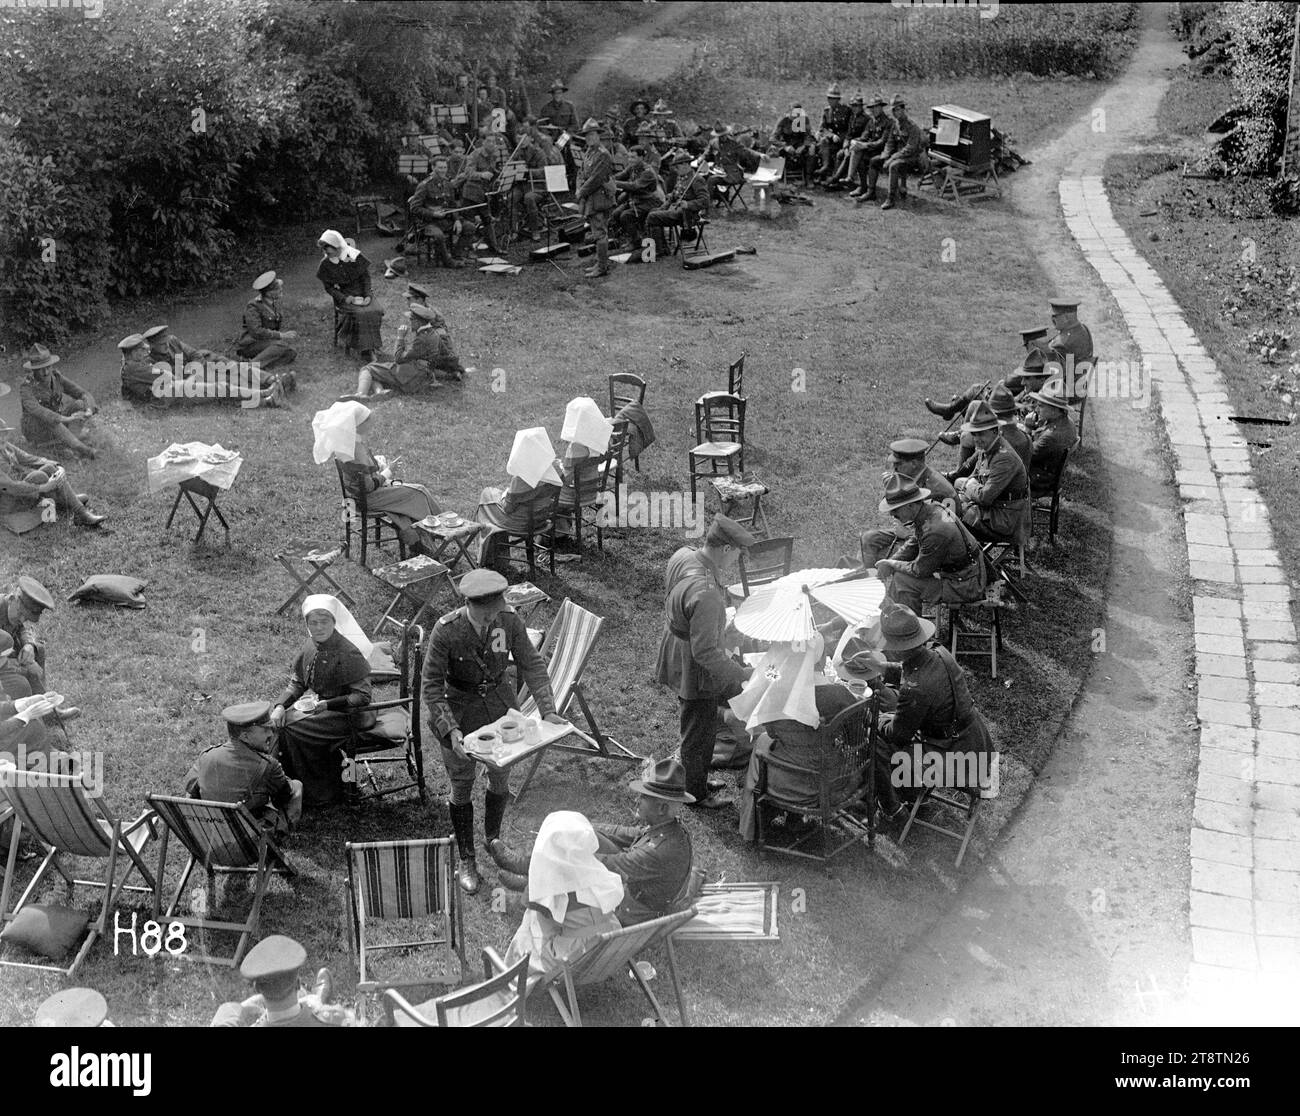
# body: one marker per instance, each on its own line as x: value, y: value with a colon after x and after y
x: 462, y: 824
x: 494, y: 809
x: 511, y: 860
x: 949, y: 410
x: 513, y: 880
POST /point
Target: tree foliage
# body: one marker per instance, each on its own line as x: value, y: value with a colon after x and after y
x: 1259, y: 52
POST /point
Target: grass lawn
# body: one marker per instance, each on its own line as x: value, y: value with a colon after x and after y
x: 1199, y: 234
x: 857, y: 298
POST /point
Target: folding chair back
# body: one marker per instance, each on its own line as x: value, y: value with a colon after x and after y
x: 56, y: 809
x: 566, y: 649
x: 215, y: 834
x: 397, y: 728
x: 390, y: 881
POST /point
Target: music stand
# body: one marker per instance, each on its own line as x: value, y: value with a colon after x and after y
x: 450, y: 114
x: 513, y: 171
x: 417, y: 166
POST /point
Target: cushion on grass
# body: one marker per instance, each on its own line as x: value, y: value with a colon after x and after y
x: 47, y: 929
x: 114, y: 589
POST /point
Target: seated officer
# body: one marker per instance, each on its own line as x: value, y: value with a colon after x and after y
x: 1030, y: 374
x: 653, y: 859
x: 907, y: 459
x: 996, y: 494
x: 689, y: 199
x: 1071, y: 348
x: 638, y: 191
x: 243, y: 769
x: 272, y: 966
x: 428, y: 209
x: 1054, y: 437
x: 55, y: 410
x: 20, y: 609
x: 26, y: 480
x: 1003, y: 405
x: 940, y: 562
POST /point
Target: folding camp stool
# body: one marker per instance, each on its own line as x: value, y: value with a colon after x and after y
x: 197, y: 486
x: 416, y: 582
x: 318, y: 562
x: 733, y: 491
x: 946, y: 797
x: 982, y: 644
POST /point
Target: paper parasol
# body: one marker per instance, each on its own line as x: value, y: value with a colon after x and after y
x: 858, y: 601
x: 781, y: 611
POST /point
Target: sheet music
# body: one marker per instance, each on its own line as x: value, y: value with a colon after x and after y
x: 557, y: 182
x: 948, y: 131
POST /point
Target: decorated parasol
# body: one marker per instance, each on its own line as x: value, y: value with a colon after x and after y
x: 782, y: 611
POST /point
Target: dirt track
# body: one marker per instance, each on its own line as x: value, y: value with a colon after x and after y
x: 1078, y: 916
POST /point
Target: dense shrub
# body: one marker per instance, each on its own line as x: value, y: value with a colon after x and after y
x: 821, y: 41
x: 1259, y: 51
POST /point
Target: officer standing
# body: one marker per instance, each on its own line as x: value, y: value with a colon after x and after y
x: 595, y: 193
x: 242, y: 769
x: 465, y: 684
x: 272, y: 965
x: 691, y: 658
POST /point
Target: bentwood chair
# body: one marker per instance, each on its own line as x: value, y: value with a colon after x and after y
x: 68, y: 822
x: 357, y: 514
x: 766, y: 560
x: 1051, y: 493
x: 626, y: 389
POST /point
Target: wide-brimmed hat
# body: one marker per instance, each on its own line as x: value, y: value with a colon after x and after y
x: 877, y: 100
x: 557, y: 84
x: 1033, y: 334
x: 859, y: 660
x: 1052, y: 394
x: 901, y: 629
x: 632, y: 107
x: 901, y: 490
x: 979, y: 418
x: 857, y: 98
x: 395, y: 268
x: 661, y: 108
x: 833, y: 90
x: 1001, y: 401
x: 896, y: 101
x: 38, y: 356
x: 666, y: 780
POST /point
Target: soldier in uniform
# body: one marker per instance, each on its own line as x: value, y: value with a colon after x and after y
x: 831, y: 134
x: 940, y: 562
x: 639, y: 191
x: 26, y: 479
x: 691, y: 657
x: 595, y: 194
x: 54, y: 408
x: 869, y: 143
x: 1031, y: 373
x: 273, y: 966
x: 689, y: 199
x: 138, y: 373
x: 428, y: 206
x: 420, y: 354
x: 466, y: 684
x: 243, y: 769
x: 653, y: 859
x: 900, y: 155
x: 1054, y: 437
x: 906, y: 459
x: 1071, y: 348
x: 20, y: 609
x: 793, y: 140
x: 563, y: 117
x: 996, y: 494
x: 1003, y: 404
x: 853, y: 128
x: 263, y: 339
x: 934, y: 702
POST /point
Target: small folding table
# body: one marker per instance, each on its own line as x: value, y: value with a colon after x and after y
x: 416, y: 582
x: 198, y: 470
x: 446, y: 543
x: 317, y: 560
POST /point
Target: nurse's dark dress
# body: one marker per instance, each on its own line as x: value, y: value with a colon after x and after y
x: 310, y: 742
x: 360, y: 327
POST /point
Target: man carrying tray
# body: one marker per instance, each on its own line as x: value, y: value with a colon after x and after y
x: 465, y: 684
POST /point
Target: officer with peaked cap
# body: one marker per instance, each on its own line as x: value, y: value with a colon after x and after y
x: 273, y: 966
x: 244, y: 769
x: 138, y: 374
x: 20, y: 609
x: 691, y: 656
x: 1071, y: 349
x: 467, y: 682
x: 940, y: 562
x: 263, y: 338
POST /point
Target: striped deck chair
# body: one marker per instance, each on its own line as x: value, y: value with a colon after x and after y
x: 567, y: 650
x: 411, y: 882
x: 613, y: 953
x: 68, y: 822
x: 225, y: 839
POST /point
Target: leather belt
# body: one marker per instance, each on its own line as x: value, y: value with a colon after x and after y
x: 480, y: 691
x: 1011, y: 497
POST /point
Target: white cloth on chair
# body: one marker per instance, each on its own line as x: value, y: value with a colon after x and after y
x: 585, y: 425
x: 336, y: 431
x: 532, y: 458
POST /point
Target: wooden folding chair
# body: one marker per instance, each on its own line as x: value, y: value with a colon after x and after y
x: 730, y: 188
x: 497, y: 1001
x: 225, y: 840
x: 947, y: 798
x: 410, y: 882
x: 539, y: 524
x: 1052, y: 494
x: 567, y: 649
x: 738, y: 912
x: 611, y: 954
x: 845, y: 780
x: 68, y: 822
x: 395, y: 736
